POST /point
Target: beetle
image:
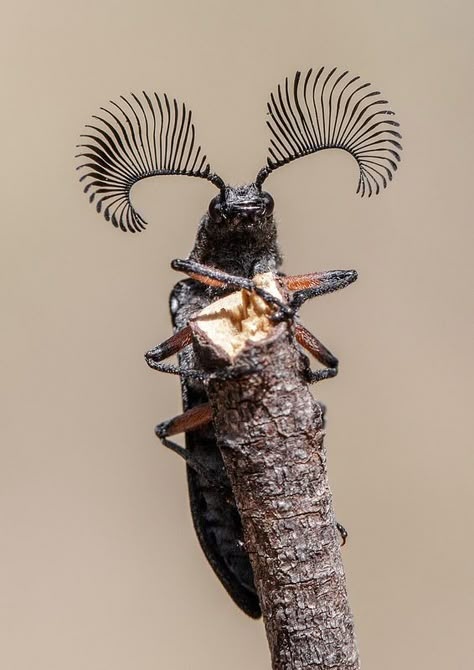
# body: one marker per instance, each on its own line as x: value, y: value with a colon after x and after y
x: 150, y: 134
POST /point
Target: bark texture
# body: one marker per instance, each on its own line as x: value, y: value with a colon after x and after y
x: 270, y: 432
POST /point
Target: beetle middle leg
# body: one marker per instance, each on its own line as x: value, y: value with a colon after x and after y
x: 311, y: 343
x: 175, y: 344
x: 169, y: 347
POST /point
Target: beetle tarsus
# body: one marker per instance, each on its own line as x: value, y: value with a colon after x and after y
x: 343, y: 533
x: 169, y: 368
x: 314, y: 376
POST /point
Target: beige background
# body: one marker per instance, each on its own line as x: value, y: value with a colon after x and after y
x: 100, y: 568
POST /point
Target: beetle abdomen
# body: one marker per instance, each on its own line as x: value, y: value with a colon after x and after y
x: 215, y: 516
x: 218, y: 525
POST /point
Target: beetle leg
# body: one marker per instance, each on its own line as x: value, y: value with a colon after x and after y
x: 193, y: 418
x: 173, y: 345
x: 311, y: 343
x: 310, y: 286
x: 211, y: 276
x: 217, y: 278
x: 284, y: 311
x: 343, y: 532
x: 323, y: 412
x: 187, y: 373
x: 190, y: 420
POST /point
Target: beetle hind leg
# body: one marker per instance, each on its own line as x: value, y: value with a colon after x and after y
x: 192, y: 419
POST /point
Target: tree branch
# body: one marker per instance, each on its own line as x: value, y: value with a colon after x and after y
x: 270, y: 432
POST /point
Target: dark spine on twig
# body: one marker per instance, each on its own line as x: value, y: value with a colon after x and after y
x: 270, y: 432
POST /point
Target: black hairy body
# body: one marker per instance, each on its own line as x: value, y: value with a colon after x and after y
x: 213, y: 508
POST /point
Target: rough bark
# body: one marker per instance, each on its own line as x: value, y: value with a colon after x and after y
x: 270, y: 431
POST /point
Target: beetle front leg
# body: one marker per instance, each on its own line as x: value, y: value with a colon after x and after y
x: 219, y: 279
x: 312, y: 285
x: 211, y: 276
x: 317, y: 349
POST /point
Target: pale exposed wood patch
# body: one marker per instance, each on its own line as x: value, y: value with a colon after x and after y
x: 240, y: 317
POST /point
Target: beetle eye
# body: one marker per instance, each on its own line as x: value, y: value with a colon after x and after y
x: 268, y: 202
x: 216, y: 213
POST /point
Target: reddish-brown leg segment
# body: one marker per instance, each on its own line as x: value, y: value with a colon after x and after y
x: 193, y: 418
x: 319, y: 351
x: 300, y: 282
x: 171, y: 346
x: 309, y: 286
x: 211, y: 276
x: 316, y: 348
x: 332, y: 279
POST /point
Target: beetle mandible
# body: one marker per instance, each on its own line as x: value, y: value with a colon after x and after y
x: 148, y: 135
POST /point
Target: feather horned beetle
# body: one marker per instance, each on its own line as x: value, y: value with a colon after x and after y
x: 148, y: 135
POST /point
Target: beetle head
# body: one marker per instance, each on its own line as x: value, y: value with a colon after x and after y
x: 238, y: 232
x: 242, y: 208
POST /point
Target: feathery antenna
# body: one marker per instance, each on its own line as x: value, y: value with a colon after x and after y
x: 333, y: 111
x: 134, y: 139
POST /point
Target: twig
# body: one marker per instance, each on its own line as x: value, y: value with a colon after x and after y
x: 270, y: 432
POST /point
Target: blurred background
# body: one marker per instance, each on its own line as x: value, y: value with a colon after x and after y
x: 100, y: 567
